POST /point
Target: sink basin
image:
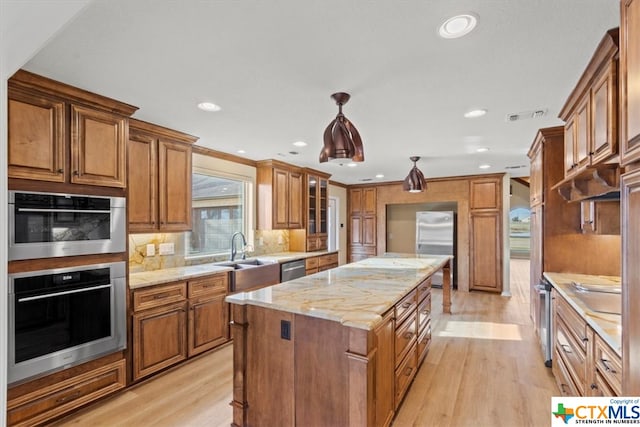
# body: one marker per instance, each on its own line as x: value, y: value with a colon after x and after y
x: 252, y: 274
x: 602, y: 302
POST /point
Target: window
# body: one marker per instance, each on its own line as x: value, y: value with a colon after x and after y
x: 218, y: 210
x: 519, y: 231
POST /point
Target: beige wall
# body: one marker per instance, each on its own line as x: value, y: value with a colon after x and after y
x: 341, y: 194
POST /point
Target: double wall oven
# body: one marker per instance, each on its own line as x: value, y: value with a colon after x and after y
x: 63, y: 316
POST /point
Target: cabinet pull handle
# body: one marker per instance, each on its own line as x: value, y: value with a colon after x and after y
x: 593, y: 386
x: 607, y: 366
x: 159, y: 296
x: 565, y: 347
x: 408, y: 370
x: 60, y: 170
x: 408, y: 335
x: 562, y: 386
x: 586, y: 339
x: 68, y: 397
x: 426, y: 312
x: 406, y: 305
x: 76, y: 173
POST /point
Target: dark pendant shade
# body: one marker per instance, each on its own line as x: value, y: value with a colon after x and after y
x: 341, y: 138
x: 414, y: 182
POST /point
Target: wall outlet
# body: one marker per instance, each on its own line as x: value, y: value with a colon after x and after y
x: 260, y: 241
x: 166, y: 249
x: 151, y: 249
x: 280, y: 240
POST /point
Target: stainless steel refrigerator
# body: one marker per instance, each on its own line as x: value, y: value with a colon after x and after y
x: 436, y: 235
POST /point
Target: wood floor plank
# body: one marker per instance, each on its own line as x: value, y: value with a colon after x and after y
x: 484, y: 368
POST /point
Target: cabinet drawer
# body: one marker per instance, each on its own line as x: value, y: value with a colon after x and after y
x: 601, y: 387
x: 406, y: 306
x: 576, y: 324
x: 424, y: 289
x: 327, y: 260
x: 208, y: 286
x: 608, y: 364
x: 157, y: 296
x: 574, y: 357
x: 311, y: 263
x: 406, y: 335
x: 424, y: 342
x: 405, y: 373
x: 424, y: 313
x: 55, y: 400
x: 563, y: 379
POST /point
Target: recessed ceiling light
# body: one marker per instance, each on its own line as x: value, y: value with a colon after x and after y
x: 482, y: 149
x: 241, y: 151
x: 352, y: 165
x: 209, y: 106
x: 300, y: 144
x: 485, y: 166
x: 475, y: 113
x: 379, y: 176
x: 458, y: 26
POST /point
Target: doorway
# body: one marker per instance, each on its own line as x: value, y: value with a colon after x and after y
x: 332, y: 213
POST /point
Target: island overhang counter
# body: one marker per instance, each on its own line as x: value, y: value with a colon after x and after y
x: 339, y: 347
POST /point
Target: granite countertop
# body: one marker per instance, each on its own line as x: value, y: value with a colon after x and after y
x: 356, y: 294
x: 157, y: 277
x: 607, y: 325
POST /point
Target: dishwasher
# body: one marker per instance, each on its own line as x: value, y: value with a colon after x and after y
x: 292, y: 270
x: 546, y: 320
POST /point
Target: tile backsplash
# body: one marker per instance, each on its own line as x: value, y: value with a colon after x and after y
x: 265, y: 242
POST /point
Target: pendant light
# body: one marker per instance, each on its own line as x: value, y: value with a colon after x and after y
x: 341, y: 139
x: 414, y: 182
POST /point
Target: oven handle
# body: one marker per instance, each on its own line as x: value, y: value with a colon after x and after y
x: 57, y: 294
x: 63, y: 210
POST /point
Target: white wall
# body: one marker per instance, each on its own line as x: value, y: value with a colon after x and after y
x: 340, y: 193
x: 25, y: 26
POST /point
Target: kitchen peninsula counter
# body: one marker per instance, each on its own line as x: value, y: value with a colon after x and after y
x: 339, y: 347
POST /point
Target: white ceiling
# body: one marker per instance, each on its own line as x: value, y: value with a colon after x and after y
x: 272, y: 66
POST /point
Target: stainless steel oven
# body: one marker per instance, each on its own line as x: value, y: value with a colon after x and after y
x: 64, y: 316
x: 43, y: 225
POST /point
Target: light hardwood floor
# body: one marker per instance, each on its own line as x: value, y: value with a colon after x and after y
x: 484, y: 368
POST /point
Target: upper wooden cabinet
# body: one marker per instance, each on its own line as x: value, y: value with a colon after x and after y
x: 63, y: 134
x: 280, y: 189
x: 159, y: 196
x: 313, y: 237
x: 591, y: 112
x: 629, y: 81
x: 486, y: 193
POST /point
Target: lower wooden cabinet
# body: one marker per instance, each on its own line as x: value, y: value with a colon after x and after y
x: 178, y: 320
x: 51, y: 398
x: 320, y: 263
x: 486, y: 251
x: 583, y: 363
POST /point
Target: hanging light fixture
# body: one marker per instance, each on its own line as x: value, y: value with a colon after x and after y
x: 414, y: 182
x: 341, y: 139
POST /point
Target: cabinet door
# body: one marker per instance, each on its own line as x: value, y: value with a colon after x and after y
x: 486, y: 193
x: 208, y: 324
x: 159, y: 339
x: 356, y: 230
x: 312, y: 205
x: 486, y: 252
x: 369, y: 230
x: 294, y: 200
x: 603, y: 106
x: 98, y: 147
x: 583, y: 134
x: 384, y: 371
x: 630, y: 206
x: 355, y: 201
x: 569, y: 146
x: 369, y: 201
x: 142, y: 201
x: 280, y: 199
x: 36, y: 134
x: 536, y: 177
x: 323, y: 202
x: 174, y: 171
x: 630, y: 81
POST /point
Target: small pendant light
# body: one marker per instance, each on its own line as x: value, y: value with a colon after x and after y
x: 414, y: 182
x: 341, y: 139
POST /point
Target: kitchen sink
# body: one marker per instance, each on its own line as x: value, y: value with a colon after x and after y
x: 252, y: 274
x: 601, y: 302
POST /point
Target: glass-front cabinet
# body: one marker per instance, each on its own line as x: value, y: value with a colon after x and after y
x: 317, y: 202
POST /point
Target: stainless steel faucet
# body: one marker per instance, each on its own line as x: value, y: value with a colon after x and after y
x: 233, y: 246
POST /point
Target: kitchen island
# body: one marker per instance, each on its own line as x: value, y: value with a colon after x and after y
x: 339, y: 347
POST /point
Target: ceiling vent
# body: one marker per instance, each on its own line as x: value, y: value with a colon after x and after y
x: 515, y: 167
x: 522, y: 115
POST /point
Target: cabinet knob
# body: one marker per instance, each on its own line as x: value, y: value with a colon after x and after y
x: 60, y: 170
x: 76, y: 173
x: 593, y: 386
x: 586, y: 339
